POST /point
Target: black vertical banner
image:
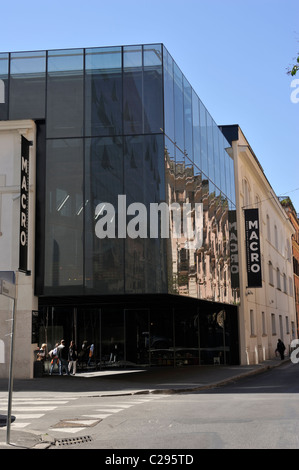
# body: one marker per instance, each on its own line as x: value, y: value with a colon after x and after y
x: 24, y: 203
x: 233, y: 248
x: 253, y: 255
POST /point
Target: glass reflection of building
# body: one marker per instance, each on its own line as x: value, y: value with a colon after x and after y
x: 125, y: 121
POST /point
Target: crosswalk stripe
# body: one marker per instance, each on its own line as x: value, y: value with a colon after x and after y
x: 99, y: 416
x: 31, y: 408
x: 111, y: 410
x: 28, y: 415
x: 49, y: 402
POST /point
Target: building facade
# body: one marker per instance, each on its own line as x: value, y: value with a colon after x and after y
x: 293, y: 216
x: 119, y: 136
x: 267, y: 312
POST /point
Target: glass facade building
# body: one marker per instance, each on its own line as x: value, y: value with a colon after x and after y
x: 124, y: 121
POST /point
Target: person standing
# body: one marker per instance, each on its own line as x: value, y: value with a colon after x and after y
x: 72, y: 358
x: 54, y: 359
x: 280, y: 348
x: 63, y: 355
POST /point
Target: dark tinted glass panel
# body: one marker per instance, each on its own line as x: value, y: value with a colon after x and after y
x: 216, y: 133
x: 210, y: 148
x: 132, y: 89
x: 64, y: 215
x: 3, y: 86
x: 222, y: 166
x: 196, y: 130
x: 27, y: 85
x: 104, y: 264
x: 65, y: 94
x: 152, y: 90
x: 188, y: 118
x: 168, y: 95
x: 152, y: 55
x: 203, y: 139
x: 178, y: 107
x: 144, y: 183
x: 103, y: 91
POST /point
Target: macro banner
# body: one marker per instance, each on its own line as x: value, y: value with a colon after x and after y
x: 233, y: 248
x: 24, y: 202
x: 253, y: 255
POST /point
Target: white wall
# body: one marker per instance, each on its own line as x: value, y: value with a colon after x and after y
x: 10, y: 171
x: 257, y: 305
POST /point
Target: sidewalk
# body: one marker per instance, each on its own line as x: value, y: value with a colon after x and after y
x: 124, y: 382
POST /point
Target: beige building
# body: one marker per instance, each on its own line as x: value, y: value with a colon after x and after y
x: 11, y: 133
x: 268, y: 312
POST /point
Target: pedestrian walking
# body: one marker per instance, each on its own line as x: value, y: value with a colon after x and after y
x: 63, y: 355
x: 280, y: 348
x: 72, y: 358
x: 54, y: 359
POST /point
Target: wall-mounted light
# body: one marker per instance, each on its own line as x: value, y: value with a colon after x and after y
x: 249, y: 292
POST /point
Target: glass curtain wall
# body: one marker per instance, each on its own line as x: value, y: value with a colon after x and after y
x: 104, y: 153
x: 198, y: 170
x: 124, y: 121
x: 4, y: 68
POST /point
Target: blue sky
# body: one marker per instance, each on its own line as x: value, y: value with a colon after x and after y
x: 234, y: 53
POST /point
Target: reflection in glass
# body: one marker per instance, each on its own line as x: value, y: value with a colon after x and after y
x: 196, y: 130
x: 145, y: 269
x: 64, y: 220
x: 188, y: 119
x: 104, y: 262
x: 168, y: 95
x: 203, y: 140
x: 178, y: 108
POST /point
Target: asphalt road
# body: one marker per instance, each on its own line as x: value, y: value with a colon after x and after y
x: 257, y: 412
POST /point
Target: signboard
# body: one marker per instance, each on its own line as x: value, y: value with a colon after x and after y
x: 233, y: 248
x: 24, y: 203
x: 8, y: 289
x: 8, y: 284
x: 253, y: 255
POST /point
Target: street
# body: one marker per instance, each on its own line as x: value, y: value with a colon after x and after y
x: 257, y: 412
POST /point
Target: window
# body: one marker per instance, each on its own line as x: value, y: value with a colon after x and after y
x: 273, y: 323
x: 264, y: 329
x: 287, y: 326
x: 284, y: 283
x: 268, y: 228
x: 280, y: 326
x: 278, y: 279
x: 270, y: 267
x: 291, y: 286
x: 252, y: 326
x: 246, y: 192
x: 276, y: 237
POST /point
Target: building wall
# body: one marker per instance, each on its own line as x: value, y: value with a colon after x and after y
x: 265, y: 313
x: 293, y: 216
x: 25, y: 302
